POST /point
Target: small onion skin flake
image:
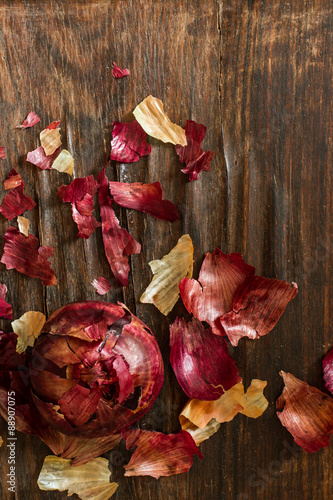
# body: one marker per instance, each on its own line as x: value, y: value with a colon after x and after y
x: 15, y: 202
x: 152, y: 118
x: 128, y: 142
x: 192, y: 155
x: 146, y: 198
x: 201, y: 361
x: 257, y: 306
x: 306, y: 412
x: 159, y: 454
x: 118, y: 243
x: 31, y: 120
x: 50, y: 138
x: 212, y: 295
x: 101, y: 285
x: 118, y: 72
x: 13, y: 181
x: 252, y: 404
x: 328, y: 370
x: 168, y: 272
x: 2, y: 152
x: 26, y: 256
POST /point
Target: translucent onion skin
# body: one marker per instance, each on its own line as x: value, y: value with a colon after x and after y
x: 98, y: 370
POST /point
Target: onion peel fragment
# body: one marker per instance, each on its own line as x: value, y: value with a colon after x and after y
x: 306, y: 412
x: 118, y: 72
x: 168, y: 272
x: 26, y: 256
x: 152, y: 118
x: 31, y: 120
x: 199, y: 435
x: 28, y: 328
x: 201, y: 361
x: 128, y: 142
x: 328, y: 370
x: 147, y: 198
x: 118, y: 243
x: 159, y: 454
x: 80, y: 193
x: 195, y: 158
x: 64, y: 162
x: 50, y: 138
x: 15, y: 202
x: 90, y: 481
x: 212, y: 295
x: 23, y: 225
x: 257, y: 306
x: 252, y: 404
x: 38, y: 157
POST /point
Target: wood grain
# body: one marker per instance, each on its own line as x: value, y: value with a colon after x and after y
x: 258, y: 74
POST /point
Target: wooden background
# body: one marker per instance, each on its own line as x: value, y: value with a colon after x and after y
x: 258, y: 74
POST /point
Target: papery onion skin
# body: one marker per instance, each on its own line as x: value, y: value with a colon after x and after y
x: 13, y: 180
x: 15, y: 201
x: 159, y: 454
x: 118, y: 243
x: 2, y: 152
x: 38, y: 157
x: 257, y: 306
x: 328, y: 370
x: 14, y: 375
x: 31, y: 120
x: 212, y: 294
x: 24, y: 254
x: 74, y: 367
x: 195, y: 158
x: 128, y: 142
x: 119, y: 72
x: 201, y: 361
x: 6, y: 311
x: 101, y: 285
x: 144, y: 197
x: 306, y: 412
x: 80, y: 193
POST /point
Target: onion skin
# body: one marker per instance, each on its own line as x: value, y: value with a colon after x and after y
x: 105, y: 346
x: 328, y: 370
x: 201, y: 361
x: 306, y: 412
x: 159, y: 454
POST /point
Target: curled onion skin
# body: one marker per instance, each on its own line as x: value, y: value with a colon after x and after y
x: 159, y: 454
x: 201, y: 361
x: 306, y: 412
x: 97, y: 371
x: 328, y: 370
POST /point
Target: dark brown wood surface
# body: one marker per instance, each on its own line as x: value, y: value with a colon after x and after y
x: 258, y: 74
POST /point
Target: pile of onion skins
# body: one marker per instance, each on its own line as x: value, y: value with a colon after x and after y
x: 84, y: 377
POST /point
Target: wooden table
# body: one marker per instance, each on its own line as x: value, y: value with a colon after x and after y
x: 258, y: 74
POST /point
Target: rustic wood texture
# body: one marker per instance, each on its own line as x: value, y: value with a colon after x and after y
x: 258, y: 74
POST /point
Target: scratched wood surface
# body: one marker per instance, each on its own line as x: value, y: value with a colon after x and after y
x: 258, y: 74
